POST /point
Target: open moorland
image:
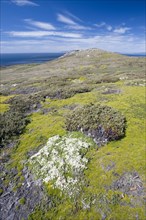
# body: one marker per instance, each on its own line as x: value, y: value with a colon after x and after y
x: 73, y: 138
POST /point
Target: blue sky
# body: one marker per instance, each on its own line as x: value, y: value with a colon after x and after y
x: 63, y: 25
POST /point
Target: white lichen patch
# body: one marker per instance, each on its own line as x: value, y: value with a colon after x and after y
x: 61, y: 161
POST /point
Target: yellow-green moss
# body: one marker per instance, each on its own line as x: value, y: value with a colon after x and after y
x: 127, y: 154
x: 78, y: 99
x: 1, y: 191
x: 128, y: 213
x: 4, y: 107
x: 22, y: 201
x: 103, y: 67
x: 37, y: 132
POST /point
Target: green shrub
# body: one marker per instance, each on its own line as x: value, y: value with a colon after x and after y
x: 24, y: 104
x: 102, y: 123
x: 13, y: 121
x: 12, y: 124
x: 66, y: 92
x: 110, y: 79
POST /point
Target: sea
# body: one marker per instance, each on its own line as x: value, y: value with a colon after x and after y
x: 135, y: 55
x: 27, y: 58
x: 37, y: 58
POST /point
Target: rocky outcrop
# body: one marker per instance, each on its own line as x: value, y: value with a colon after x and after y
x: 18, y: 202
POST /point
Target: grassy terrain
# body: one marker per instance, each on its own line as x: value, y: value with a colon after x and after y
x: 114, y: 181
x: 127, y: 155
x: 4, y: 107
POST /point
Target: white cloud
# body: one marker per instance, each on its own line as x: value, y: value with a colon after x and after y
x: 65, y: 19
x: 119, y: 30
x: 43, y: 34
x: 70, y: 22
x: 109, y: 42
x: 73, y: 16
x: 45, y: 37
x: 109, y: 27
x: 79, y: 27
x: 24, y: 2
x: 122, y: 30
x: 39, y: 24
x: 104, y: 25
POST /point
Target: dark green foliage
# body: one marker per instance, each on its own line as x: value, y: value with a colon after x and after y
x: 24, y: 104
x: 66, y: 91
x: 106, y: 79
x: 102, y: 123
x: 109, y: 79
x: 70, y: 92
x: 12, y: 124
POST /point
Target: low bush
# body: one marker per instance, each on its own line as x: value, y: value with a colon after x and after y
x: 102, y: 123
x: 66, y: 92
x: 12, y: 124
x: 110, y: 79
x: 25, y: 103
x: 13, y: 121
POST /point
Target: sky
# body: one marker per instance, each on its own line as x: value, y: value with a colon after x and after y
x: 39, y: 26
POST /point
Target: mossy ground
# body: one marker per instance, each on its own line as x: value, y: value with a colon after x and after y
x: 127, y: 154
x: 4, y: 107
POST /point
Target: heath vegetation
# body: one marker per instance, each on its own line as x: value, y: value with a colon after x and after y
x: 73, y: 138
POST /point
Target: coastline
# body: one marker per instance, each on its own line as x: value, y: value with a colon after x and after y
x: 7, y: 60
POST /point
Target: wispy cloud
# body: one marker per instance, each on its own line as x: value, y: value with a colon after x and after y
x: 104, y: 25
x: 79, y: 27
x: 39, y: 34
x: 73, y: 16
x: 24, y: 3
x: 65, y: 19
x: 72, y: 34
x: 109, y: 42
x: 39, y: 24
x: 119, y: 30
x: 70, y: 22
x: 122, y: 30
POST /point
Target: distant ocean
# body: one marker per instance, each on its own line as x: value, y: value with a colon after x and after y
x: 27, y: 58
x: 135, y: 55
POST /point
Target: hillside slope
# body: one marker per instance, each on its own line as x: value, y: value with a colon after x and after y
x: 52, y: 172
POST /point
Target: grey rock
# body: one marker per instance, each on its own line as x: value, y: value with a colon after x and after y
x: 31, y: 190
x: 129, y: 183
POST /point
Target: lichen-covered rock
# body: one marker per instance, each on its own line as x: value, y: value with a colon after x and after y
x: 102, y: 123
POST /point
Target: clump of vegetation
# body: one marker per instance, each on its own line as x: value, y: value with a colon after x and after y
x: 12, y: 124
x: 102, y: 123
x: 13, y: 121
x: 25, y: 104
x: 22, y: 201
x: 65, y: 91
